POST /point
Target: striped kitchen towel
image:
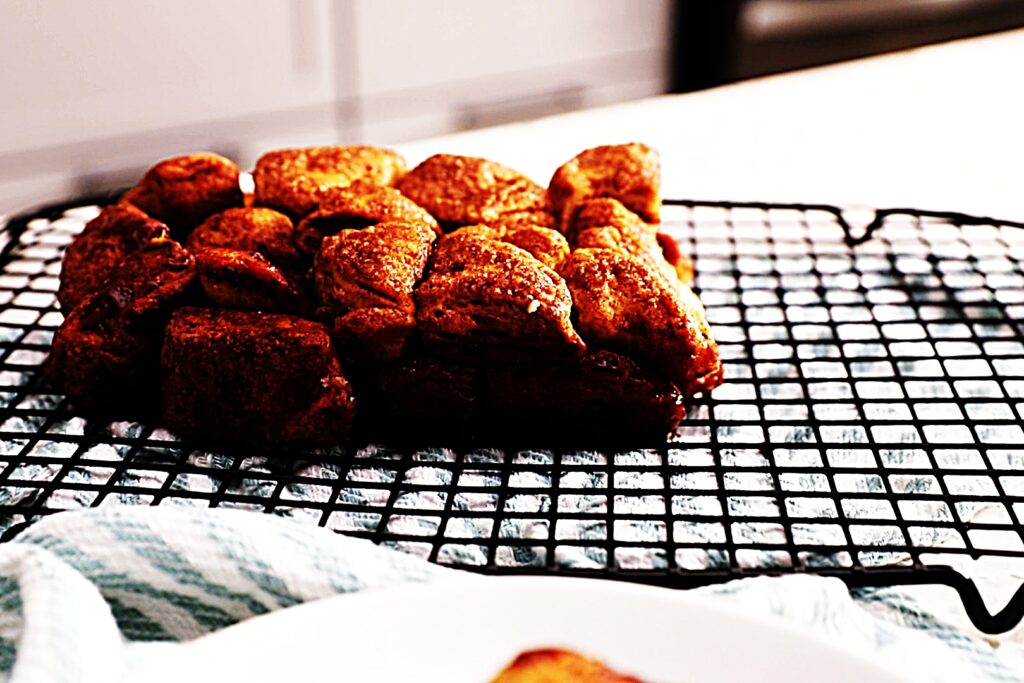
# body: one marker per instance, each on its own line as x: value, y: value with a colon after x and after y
x: 87, y: 596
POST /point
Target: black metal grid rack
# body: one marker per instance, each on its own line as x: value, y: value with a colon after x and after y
x: 870, y: 427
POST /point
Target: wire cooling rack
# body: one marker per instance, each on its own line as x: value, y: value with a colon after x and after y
x: 869, y: 427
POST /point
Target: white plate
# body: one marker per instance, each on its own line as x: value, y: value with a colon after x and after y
x: 468, y: 631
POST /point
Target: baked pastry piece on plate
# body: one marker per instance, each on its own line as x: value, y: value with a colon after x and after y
x: 558, y: 666
x: 253, y: 378
x: 290, y: 180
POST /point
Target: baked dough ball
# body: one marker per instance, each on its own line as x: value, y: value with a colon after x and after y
x: 253, y: 378
x: 182, y: 191
x: 624, y: 305
x: 485, y: 299
x: 257, y: 229
x: 232, y: 278
x: 558, y: 666
x: 364, y: 282
x: 89, y: 261
x: 606, y: 224
x: 460, y: 190
x: 106, y: 354
x: 290, y: 180
x: 630, y: 173
x: 546, y: 245
x: 358, y: 206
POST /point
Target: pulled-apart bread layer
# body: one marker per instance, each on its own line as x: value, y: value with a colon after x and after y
x: 501, y: 326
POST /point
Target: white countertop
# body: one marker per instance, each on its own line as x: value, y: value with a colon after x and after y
x: 936, y: 128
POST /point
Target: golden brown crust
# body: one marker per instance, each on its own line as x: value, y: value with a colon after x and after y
x: 358, y: 206
x: 459, y: 190
x: 90, y: 260
x: 606, y: 224
x: 471, y: 331
x: 372, y: 268
x: 253, y: 378
x: 257, y: 229
x: 558, y: 666
x: 682, y: 265
x: 364, y: 281
x: 630, y: 173
x: 520, y: 219
x: 623, y: 304
x: 290, y: 180
x: 182, y: 191
x: 244, y: 280
x: 491, y: 300
x: 105, y: 355
x: 544, y: 244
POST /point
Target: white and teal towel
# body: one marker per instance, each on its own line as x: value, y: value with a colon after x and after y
x: 87, y: 596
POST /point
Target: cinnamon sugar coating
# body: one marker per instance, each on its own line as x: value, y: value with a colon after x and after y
x: 358, y: 206
x: 630, y: 173
x: 544, y: 244
x: 256, y: 229
x: 606, y: 224
x: 290, y: 180
x: 182, y: 191
x: 485, y: 299
x: 244, y: 280
x: 105, y: 355
x: 460, y: 190
x: 625, y: 305
x: 253, y: 378
x: 93, y: 256
x: 364, y: 282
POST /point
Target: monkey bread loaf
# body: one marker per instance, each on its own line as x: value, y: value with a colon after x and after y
x: 352, y: 297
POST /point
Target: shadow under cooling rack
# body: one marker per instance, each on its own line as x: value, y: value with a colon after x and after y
x: 869, y: 428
